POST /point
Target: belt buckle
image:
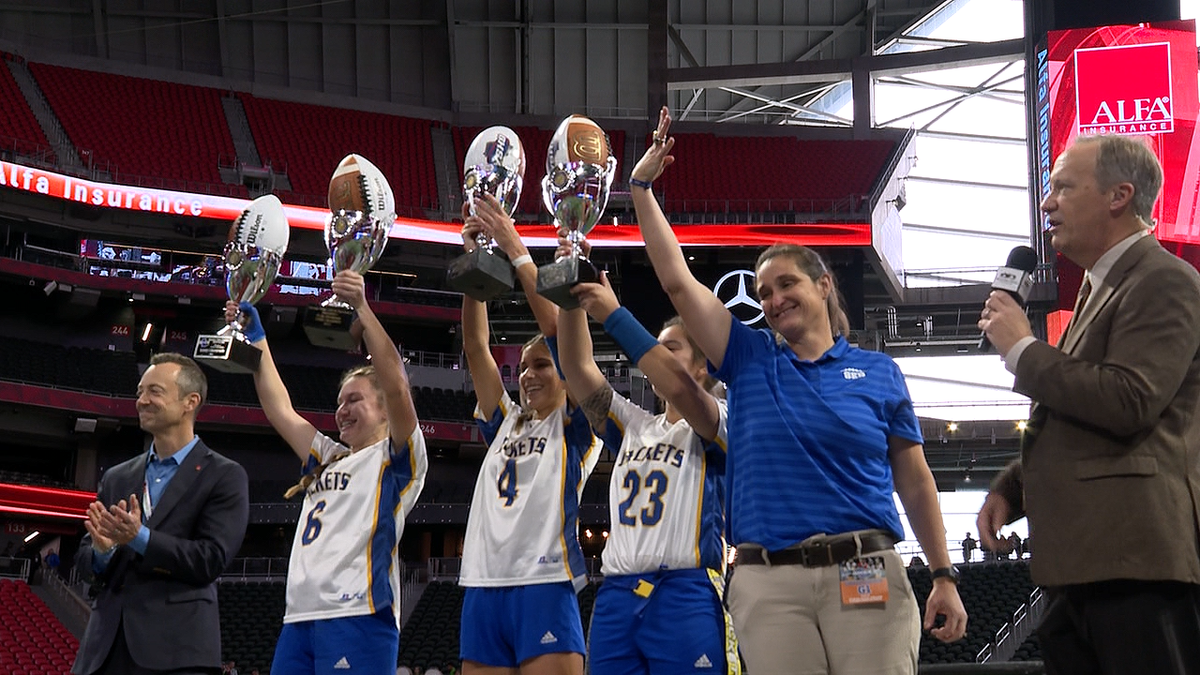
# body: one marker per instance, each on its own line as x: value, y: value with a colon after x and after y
x: 810, y: 556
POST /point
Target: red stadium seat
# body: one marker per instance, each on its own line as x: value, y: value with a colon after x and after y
x: 145, y: 127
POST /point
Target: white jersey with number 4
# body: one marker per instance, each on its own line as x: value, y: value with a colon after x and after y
x: 667, y: 494
x: 524, y: 522
x: 345, y: 555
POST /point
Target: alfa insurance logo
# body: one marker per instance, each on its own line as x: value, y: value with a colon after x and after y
x: 1124, y: 89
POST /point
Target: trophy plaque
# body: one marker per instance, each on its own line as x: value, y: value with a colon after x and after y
x: 363, y: 210
x: 579, y: 173
x: 495, y: 164
x: 257, y: 243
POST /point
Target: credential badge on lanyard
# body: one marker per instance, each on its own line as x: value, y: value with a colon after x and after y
x: 147, y: 507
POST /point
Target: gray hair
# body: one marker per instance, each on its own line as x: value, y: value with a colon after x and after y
x: 1126, y: 159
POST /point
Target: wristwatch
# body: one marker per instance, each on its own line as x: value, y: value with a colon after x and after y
x: 950, y: 573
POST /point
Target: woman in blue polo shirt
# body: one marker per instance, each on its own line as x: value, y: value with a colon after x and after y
x: 820, y: 435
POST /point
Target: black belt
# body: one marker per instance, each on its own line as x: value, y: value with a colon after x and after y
x: 832, y: 551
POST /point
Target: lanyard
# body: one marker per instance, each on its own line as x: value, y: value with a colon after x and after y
x: 147, y: 507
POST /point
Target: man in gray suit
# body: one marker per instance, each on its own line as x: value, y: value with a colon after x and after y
x: 1109, y: 473
x: 164, y: 525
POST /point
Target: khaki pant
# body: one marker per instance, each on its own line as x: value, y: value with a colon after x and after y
x: 790, y: 620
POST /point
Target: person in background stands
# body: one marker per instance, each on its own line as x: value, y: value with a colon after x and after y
x: 968, y: 547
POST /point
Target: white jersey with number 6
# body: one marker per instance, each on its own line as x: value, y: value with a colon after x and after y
x: 524, y: 522
x: 667, y: 494
x: 345, y: 555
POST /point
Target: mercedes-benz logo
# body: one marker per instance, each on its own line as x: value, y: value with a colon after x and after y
x: 733, y: 289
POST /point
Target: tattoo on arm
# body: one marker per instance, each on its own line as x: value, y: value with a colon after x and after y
x: 596, y: 407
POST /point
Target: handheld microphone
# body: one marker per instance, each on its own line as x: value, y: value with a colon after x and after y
x: 1015, y: 279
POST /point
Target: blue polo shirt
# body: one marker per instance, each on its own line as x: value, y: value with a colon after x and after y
x: 158, y: 475
x: 808, y: 440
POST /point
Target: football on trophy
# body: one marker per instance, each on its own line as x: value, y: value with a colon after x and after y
x: 358, y: 185
x: 585, y: 140
x: 262, y: 224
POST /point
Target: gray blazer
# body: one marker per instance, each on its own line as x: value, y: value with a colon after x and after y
x: 1109, y: 473
x: 166, y: 600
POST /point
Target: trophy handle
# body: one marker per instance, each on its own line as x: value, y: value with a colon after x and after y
x: 546, y: 191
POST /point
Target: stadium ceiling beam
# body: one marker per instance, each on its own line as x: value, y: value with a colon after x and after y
x: 950, y: 104
x: 982, y: 91
x: 958, y: 382
x: 795, y: 111
x: 978, y: 138
x: 1022, y: 238
x: 687, y: 55
x: 854, y: 23
x: 792, y: 109
x: 934, y: 42
x: 998, y: 94
x: 799, y: 72
x: 967, y: 183
x: 101, y: 30
x: 841, y: 28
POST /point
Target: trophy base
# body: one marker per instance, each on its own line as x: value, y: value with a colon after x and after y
x: 227, y: 353
x: 329, y: 326
x: 556, y: 279
x: 481, y: 274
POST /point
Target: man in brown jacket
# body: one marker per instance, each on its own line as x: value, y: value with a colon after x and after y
x: 1109, y: 474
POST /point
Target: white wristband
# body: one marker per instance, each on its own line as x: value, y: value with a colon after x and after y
x: 522, y: 260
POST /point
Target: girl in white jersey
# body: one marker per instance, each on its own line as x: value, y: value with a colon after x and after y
x: 521, y: 552
x: 659, y: 609
x: 343, y: 584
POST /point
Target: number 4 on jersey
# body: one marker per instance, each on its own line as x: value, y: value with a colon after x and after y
x: 507, y: 482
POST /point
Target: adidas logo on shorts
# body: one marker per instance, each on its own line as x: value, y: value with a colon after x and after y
x: 548, y: 638
x: 342, y: 664
x: 703, y: 662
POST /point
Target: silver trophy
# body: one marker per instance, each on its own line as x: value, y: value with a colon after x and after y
x: 257, y: 243
x: 356, y: 233
x: 579, y: 173
x: 495, y: 164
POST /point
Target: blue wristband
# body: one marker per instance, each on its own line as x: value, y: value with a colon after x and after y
x: 253, y: 328
x: 629, y: 334
x: 644, y: 184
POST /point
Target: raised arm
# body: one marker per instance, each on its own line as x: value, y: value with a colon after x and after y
x: 585, y: 383
x: 670, y: 378
x: 480, y: 362
x: 389, y: 368
x: 500, y: 227
x: 276, y: 403
x: 705, y: 316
